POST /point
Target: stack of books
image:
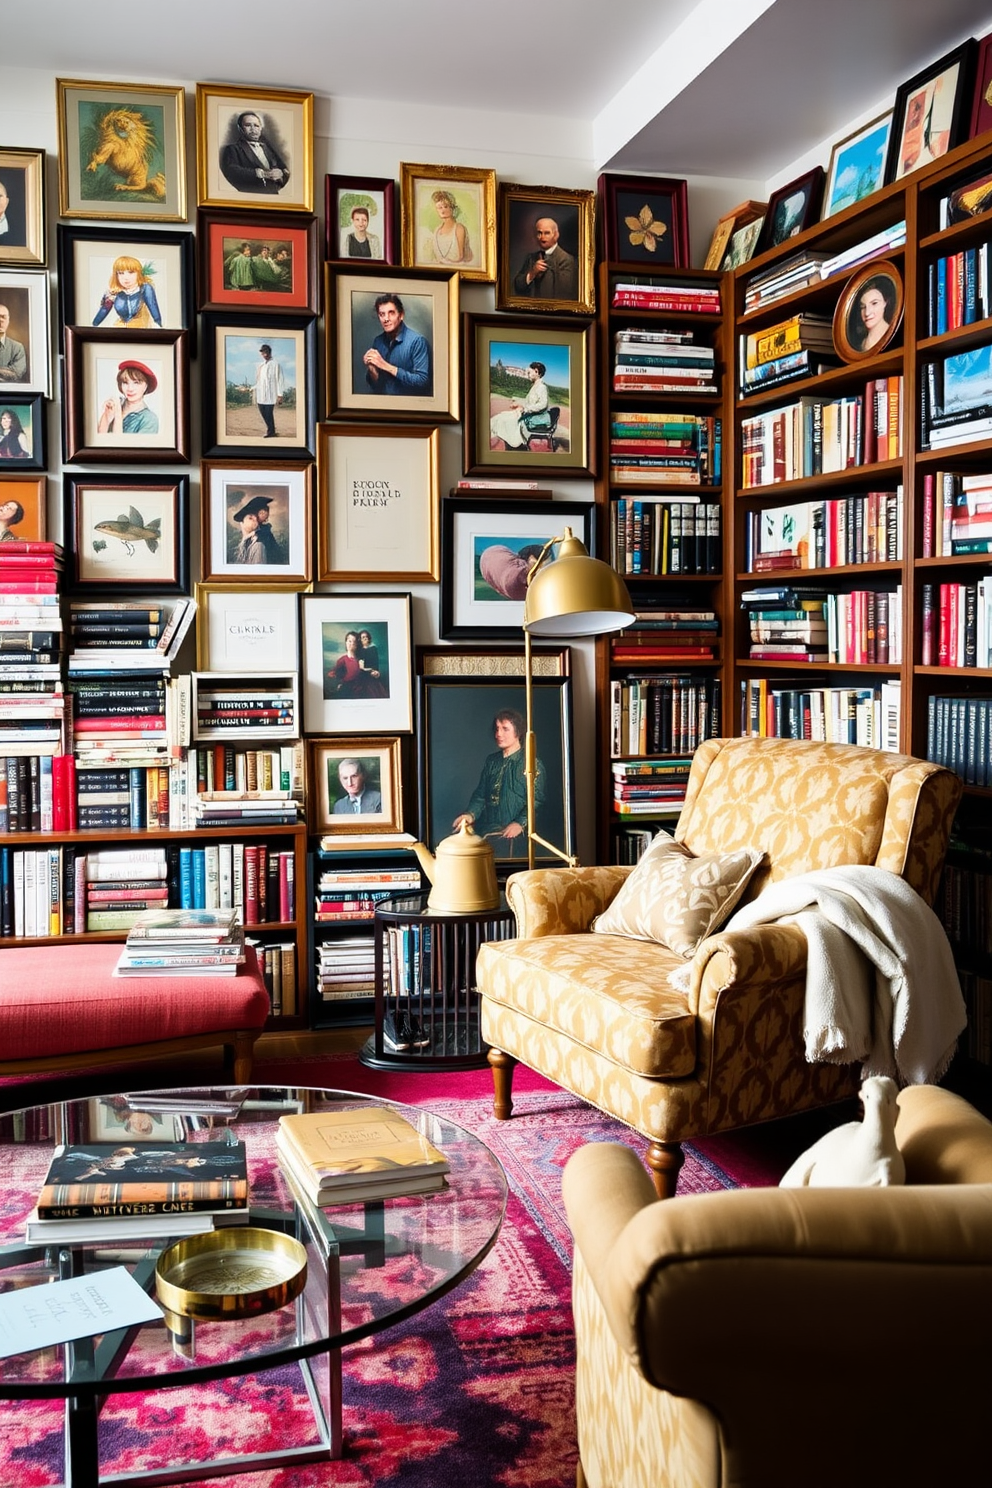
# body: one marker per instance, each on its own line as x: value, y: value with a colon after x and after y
x: 957, y: 514
x: 115, y: 886
x: 178, y: 942
x: 797, y: 347
x: 346, y: 968
x: 98, y: 1191
x: 647, y: 292
x: 663, y: 449
x: 353, y: 893
x: 787, y: 623
x: 877, y: 246
x: 347, y: 1156
x: 784, y: 278
x: 956, y: 396
x: 137, y: 634
x: 649, y: 361
x: 233, y: 705
x: 647, y: 787
x: 272, y: 808
x: 32, y: 703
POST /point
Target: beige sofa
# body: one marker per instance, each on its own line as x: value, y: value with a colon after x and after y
x: 788, y: 1338
x: 596, y: 1013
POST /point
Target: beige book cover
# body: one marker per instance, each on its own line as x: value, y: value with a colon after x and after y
x: 337, y: 1145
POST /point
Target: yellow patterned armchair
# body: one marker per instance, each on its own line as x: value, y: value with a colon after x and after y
x: 792, y: 1338
x: 596, y: 1013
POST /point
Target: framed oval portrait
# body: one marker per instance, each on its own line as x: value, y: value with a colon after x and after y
x: 869, y: 311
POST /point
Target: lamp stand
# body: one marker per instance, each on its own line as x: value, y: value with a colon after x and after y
x: 530, y: 766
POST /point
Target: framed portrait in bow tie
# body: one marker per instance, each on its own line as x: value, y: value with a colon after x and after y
x: 355, y: 786
x: 254, y: 148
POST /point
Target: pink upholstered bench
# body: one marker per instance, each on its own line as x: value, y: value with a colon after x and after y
x: 61, y: 1008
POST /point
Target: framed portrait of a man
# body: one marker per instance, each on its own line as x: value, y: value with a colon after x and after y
x: 254, y: 148
x: 259, y: 397
x: 126, y: 396
x: 255, y: 522
x: 356, y: 786
x: 392, y: 344
x: 122, y: 151
x: 547, y: 249
x: 25, y: 360
x: 22, y: 207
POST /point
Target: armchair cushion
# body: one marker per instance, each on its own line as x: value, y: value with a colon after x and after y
x: 676, y: 898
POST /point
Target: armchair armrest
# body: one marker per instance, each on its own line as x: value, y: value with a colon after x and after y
x: 561, y: 901
x: 771, y: 954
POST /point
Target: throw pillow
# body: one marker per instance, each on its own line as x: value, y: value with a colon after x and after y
x: 677, y: 899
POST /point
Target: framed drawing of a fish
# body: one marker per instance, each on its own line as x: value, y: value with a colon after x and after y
x: 127, y: 533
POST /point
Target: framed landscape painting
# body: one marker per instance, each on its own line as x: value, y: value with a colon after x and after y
x: 259, y: 387
x: 791, y: 210
x: 857, y: 165
x: 122, y: 151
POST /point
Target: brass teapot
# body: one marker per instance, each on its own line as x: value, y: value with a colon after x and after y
x: 462, y: 873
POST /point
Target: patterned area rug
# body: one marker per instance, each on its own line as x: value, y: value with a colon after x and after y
x: 475, y: 1390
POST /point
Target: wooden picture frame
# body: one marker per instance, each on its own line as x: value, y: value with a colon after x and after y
x: 377, y: 503
x: 461, y: 767
x: 245, y: 628
x: 29, y: 493
x: 740, y: 216
x: 122, y: 151
x: 264, y: 262
x: 791, y: 210
x: 498, y: 354
x: 487, y: 551
x: 234, y: 421
x: 127, y: 533
x: 114, y: 376
x: 645, y: 220
x: 857, y: 165
x: 370, y: 694
x: 425, y: 386
x: 22, y: 207
x: 123, y: 281
x: 981, y: 104
x: 26, y: 358
x: 931, y: 112
x: 228, y: 169
x: 23, y: 431
x: 491, y: 661
x: 865, y: 330
x: 380, y: 801
x: 520, y: 282
x: 281, y: 496
x: 743, y: 241
x: 433, y: 196
x: 375, y: 196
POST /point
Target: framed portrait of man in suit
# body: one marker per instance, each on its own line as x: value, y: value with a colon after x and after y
x: 357, y: 787
x: 547, y: 249
x: 254, y: 148
x: 22, y: 207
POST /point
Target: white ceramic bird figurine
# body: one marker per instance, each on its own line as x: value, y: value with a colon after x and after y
x: 860, y: 1154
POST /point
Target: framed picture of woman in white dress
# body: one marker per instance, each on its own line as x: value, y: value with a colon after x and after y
x: 449, y: 219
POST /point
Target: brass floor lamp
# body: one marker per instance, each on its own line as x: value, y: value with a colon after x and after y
x: 570, y: 595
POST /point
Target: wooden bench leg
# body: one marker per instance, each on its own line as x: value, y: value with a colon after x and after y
x: 241, y: 1051
x: 664, y: 1160
x: 502, y: 1066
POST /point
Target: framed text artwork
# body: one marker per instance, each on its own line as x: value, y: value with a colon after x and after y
x: 126, y: 396
x: 357, y: 663
x: 254, y: 148
x: 266, y: 261
x: 259, y: 387
x: 392, y: 343
x: 377, y: 503
x: 127, y: 533
x: 122, y: 151
x: 449, y: 219
x: 356, y: 785
x: 527, y: 390
x: 255, y: 522
x: 22, y: 207
x: 246, y: 629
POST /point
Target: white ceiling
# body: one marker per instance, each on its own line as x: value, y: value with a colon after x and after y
x: 690, y: 87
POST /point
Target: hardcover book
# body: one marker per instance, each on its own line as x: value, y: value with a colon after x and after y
x: 87, y: 1181
x: 360, y: 1152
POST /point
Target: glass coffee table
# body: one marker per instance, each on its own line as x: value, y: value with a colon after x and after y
x: 369, y: 1265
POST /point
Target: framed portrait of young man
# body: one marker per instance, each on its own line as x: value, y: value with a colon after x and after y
x: 547, y: 249
x: 122, y: 151
x: 255, y: 524
x: 259, y: 387
x: 392, y: 343
x: 254, y: 148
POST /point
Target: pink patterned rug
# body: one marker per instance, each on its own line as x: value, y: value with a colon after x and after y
x: 475, y: 1390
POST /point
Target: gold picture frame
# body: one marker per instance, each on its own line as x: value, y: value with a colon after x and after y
x: 378, y: 506
x: 228, y: 171
x: 382, y: 775
x: 521, y: 283
x: 243, y: 628
x: 122, y: 151
x: 22, y: 204
x: 433, y: 196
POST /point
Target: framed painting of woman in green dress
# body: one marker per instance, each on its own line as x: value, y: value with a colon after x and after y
x: 449, y: 219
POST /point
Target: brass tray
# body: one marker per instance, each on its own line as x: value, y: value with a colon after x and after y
x: 228, y: 1273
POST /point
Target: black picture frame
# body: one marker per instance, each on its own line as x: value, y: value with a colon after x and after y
x: 455, y: 739
x: 791, y: 210
x: 30, y: 412
x: 87, y: 370
x: 223, y: 437
x: 80, y: 247
x: 141, y: 557
x: 473, y: 608
x: 914, y: 141
x: 645, y: 220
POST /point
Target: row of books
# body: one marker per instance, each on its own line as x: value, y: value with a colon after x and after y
x: 958, y: 289
x: 129, y: 718
x: 977, y: 1038
x: 137, y: 634
x: 37, y: 793
x: 808, y: 266
x: 964, y: 899
x: 814, y: 436
x: 134, y: 797
x: 959, y: 735
x: 32, y: 700
x: 666, y: 714
x: 651, y: 292
x: 345, y: 967
x: 664, y: 535
x: 277, y: 965
x: 855, y: 627
x: 252, y: 878
x: 661, y: 448
x: 868, y: 716
x: 957, y: 514
x: 798, y: 347
x: 662, y: 361
x: 863, y: 528
x: 631, y: 843
x: 226, y: 709
x: 247, y: 768
x: 213, y: 809
x: 646, y: 787
x: 351, y: 894
x: 956, y: 399
x: 956, y: 624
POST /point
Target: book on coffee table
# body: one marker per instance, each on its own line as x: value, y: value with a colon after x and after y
x: 340, y: 1157
x: 96, y: 1180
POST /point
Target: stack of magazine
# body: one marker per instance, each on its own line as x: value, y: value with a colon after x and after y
x: 181, y: 942
x: 348, y: 1156
x: 96, y: 1191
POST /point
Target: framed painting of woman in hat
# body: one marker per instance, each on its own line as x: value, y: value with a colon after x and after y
x: 255, y: 522
x: 126, y: 396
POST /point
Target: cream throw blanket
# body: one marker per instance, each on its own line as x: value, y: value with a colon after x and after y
x: 881, y: 984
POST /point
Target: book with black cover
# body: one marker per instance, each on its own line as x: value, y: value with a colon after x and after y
x: 96, y: 1179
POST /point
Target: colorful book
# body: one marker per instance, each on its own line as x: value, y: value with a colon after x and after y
x: 97, y: 1179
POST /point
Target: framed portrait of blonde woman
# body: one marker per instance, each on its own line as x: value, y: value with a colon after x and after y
x: 449, y: 219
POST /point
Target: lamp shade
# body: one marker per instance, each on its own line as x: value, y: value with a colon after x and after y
x: 576, y: 595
